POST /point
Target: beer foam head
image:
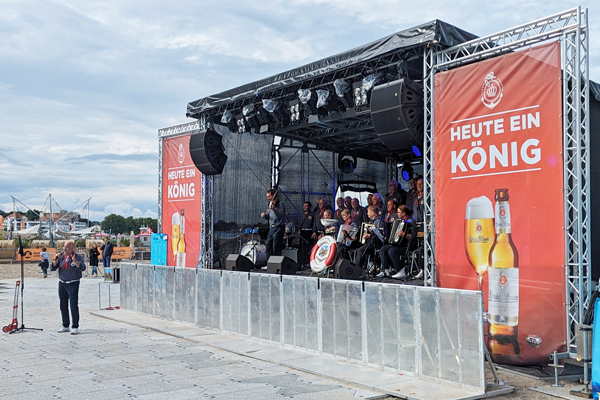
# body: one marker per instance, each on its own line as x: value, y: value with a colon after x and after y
x: 479, y: 208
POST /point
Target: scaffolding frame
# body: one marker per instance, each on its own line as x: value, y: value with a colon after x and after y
x: 571, y: 28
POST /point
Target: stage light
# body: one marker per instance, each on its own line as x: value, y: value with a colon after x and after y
x: 294, y: 111
x: 228, y: 120
x: 416, y: 151
x: 407, y: 172
x: 249, y: 113
x: 327, y: 102
x: 275, y: 108
x: 347, y: 162
x: 343, y: 91
x: 362, y: 89
x: 241, y: 123
x: 309, y: 100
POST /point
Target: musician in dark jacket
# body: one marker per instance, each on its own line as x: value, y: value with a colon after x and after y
x: 69, y: 265
x: 393, y: 253
x: 371, y: 240
x: 276, y: 216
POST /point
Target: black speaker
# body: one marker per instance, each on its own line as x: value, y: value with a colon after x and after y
x: 345, y: 269
x: 236, y: 262
x: 397, y: 113
x: 206, y: 150
x: 281, y: 264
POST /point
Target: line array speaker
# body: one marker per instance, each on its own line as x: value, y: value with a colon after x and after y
x: 283, y: 264
x: 207, y: 152
x: 397, y: 113
x: 236, y: 262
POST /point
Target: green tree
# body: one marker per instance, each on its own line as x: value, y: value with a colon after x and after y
x: 32, y: 215
x: 114, y: 224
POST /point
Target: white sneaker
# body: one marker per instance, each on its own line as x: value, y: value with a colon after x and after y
x: 74, y: 331
x: 399, y: 275
x: 419, y: 275
x: 383, y: 273
x: 63, y: 330
x: 264, y: 268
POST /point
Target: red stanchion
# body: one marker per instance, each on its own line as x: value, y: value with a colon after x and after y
x: 14, y: 325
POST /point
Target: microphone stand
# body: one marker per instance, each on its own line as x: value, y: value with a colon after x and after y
x: 22, y: 327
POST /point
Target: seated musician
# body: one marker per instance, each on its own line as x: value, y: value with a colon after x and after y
x: 371, y: 242
x: 348, y: 234
x: 393, y: 253
x: 390, y: 216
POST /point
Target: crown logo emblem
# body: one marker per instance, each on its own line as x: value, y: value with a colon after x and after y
x: 181, y: 154
x: 491, y: 91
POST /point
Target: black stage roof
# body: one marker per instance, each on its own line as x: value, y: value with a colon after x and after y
x: 340, y: 131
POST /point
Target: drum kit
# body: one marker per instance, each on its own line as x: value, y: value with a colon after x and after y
x: 254, y: 249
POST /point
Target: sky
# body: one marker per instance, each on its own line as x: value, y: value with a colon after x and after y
x: 86, y: 85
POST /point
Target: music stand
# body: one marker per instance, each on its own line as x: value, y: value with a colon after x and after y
x: 22, y: 327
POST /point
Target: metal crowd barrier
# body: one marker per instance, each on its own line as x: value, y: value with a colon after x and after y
x: 424, y: 332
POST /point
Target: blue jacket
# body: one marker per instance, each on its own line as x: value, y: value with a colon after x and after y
x: 67, y: 271
x: 107, y: 249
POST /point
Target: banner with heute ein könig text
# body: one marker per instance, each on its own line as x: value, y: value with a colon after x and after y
x: 181, y: 203
x: 498, y: 197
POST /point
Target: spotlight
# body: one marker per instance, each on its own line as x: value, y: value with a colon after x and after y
x: 275, y: 108
x: 407, y: 172
x: 362, y: 90
x: 228, y: 120
x: 309, y: 99
x: 294, y: 111
x: 249, y: 113
x: 347, y: 162
x: 343, y: 91
x: 327, y: 102
x: 416, y: 151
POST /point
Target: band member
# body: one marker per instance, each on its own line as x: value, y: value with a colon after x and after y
x: 391, y: 214
x: 348, y: 236
x: 377, y: 202
x: 306, y: 229
x: 371, y: 241
x: 369, y: 200
x: 348, y: 202
x: 317, y: 216
x: 396, y: 192
x: 330, y: 230
x: 339, y: 204
x: 415, y: 202
x: 357, y: 212
x: 276, y: 216
x: 392, y: 254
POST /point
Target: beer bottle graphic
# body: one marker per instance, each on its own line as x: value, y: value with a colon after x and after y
x: 181, y: 244
x: 175, y: 221
x: 503, y: 279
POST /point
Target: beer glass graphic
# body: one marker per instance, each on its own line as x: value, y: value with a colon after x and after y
x: 479, y: 235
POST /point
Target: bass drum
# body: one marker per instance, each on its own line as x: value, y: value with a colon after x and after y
x: 257, y: 253
x: 323, y: 254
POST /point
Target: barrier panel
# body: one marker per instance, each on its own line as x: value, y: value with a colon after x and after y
x: 425, y: 332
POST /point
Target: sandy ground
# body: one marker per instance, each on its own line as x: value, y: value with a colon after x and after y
x: 33, y: 271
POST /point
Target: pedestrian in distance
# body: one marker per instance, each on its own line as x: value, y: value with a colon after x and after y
x: 69, y: 265
x: 94, y: 253
x: 107, y: 251
x: 44, y: 263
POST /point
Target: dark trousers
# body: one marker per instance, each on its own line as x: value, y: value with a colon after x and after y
x: 392, y: 255
x: 68, y: 293
x: 275, y: 241
x: 44, y: 266
x: 106, y: 262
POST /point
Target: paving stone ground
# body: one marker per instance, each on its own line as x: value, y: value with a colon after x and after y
x: 110, y: 359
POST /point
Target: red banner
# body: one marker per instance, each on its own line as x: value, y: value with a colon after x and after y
x: 181, y: 203
x: 499, y: 206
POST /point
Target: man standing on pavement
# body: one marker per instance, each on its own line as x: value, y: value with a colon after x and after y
x: 70, y: 266
x: 107, y: 250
